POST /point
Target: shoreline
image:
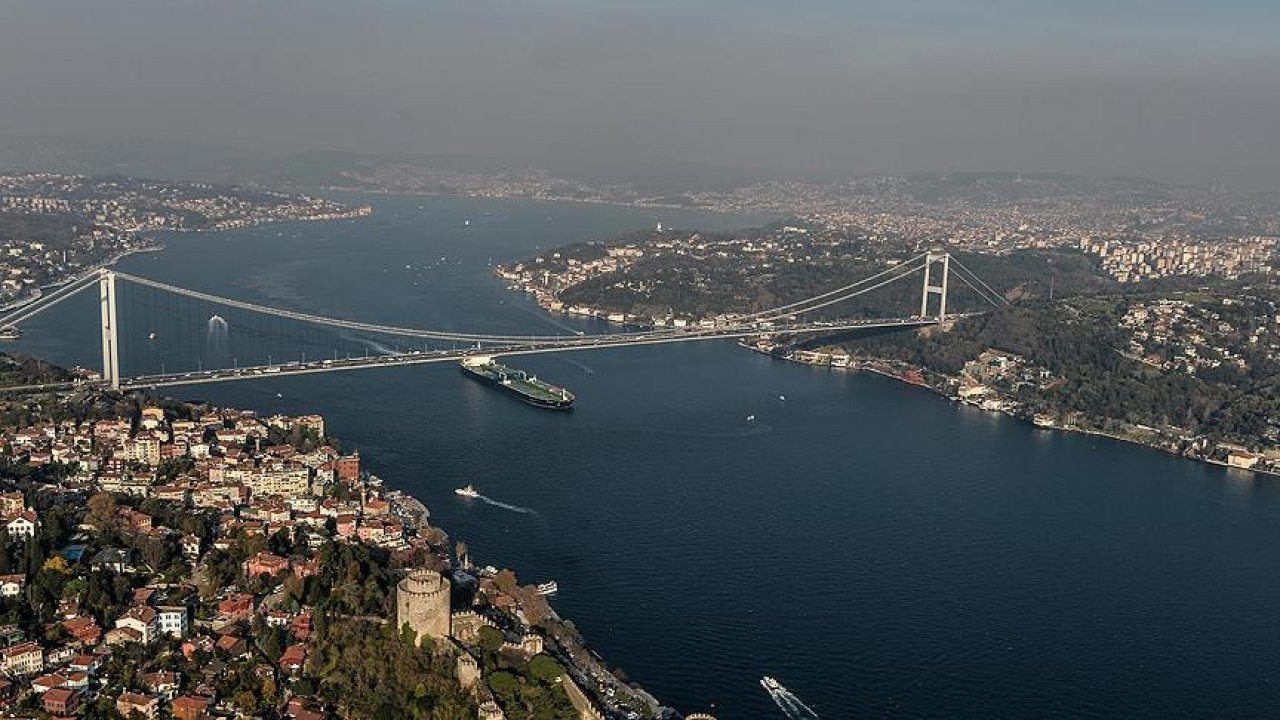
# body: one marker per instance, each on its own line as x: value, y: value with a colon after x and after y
x: 1094, y: 432
x: 550, y: 302
x: 531, y: 198
x: 154, y: 245
x: 35, y: 295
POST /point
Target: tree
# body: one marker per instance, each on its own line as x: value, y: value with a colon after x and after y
x: 506, y: 581
x: 544, y: 668
x: 490, y: 638
x: 102, y: 512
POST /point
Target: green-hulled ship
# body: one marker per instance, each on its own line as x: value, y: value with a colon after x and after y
x: 522, y: 385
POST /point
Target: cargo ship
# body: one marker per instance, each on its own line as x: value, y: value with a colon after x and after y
x: 522, y: 385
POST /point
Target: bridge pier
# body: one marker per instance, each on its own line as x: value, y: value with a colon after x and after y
x: 940, y: 289
x: 110, y: 330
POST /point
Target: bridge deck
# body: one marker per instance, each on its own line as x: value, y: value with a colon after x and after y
x: 416, y: 357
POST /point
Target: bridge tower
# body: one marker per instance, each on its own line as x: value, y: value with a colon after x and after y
x: 110, y: 329
x: 931, y: 259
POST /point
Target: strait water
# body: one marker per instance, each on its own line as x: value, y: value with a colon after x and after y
x: 880, y: 551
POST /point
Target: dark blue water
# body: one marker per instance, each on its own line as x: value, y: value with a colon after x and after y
x: 880, y: 551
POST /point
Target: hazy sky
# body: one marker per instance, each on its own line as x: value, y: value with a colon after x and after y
x: 1167, y: 88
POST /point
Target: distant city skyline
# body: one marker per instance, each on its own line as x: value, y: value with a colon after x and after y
x: 1173, y: 90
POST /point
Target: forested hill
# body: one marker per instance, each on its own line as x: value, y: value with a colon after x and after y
x: 1204, y: 363
x: 26, y: 370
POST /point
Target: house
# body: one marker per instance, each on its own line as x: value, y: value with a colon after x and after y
x: 11, y: 503
x: 122, y: 636
x: 300, y: 626
x: 162, y: 684
x: 22, y: 659
x: 236, y: 607
x: 61, y: 701
x: 265, y: 563
x: 144, y: 705
x: 85, y: 663
x: 348, y: 467
x: 298, y: 710
x: 45, y: 683
x: 1242, y: 459
x: 293, y: 658
x: 190, y: 707
x: 23, y: 525
x: 77, y: 681
x: 172, y: 620
x: 232, y: 645
x: 142, y: 620
x: 11, y: 635
x: 60, y: 655
x: 112, y: 559
x: 152, y: 417
x: 85, y: 630
x: 12, y: 585
x: 138, y: 522
x: 347, y: 525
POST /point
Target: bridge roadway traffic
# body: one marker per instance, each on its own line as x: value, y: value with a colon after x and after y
x: 422, y: 357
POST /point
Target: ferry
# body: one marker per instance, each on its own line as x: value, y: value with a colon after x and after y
x: 770, y: 684
x: 548, y: 588
x: 467, y: 491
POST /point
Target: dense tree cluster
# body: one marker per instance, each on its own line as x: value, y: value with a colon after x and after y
x: 369, y: 670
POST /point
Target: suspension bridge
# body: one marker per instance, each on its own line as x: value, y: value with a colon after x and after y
x: 801, y: 317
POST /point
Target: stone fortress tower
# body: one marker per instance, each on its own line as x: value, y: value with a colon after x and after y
x: 422, y: 601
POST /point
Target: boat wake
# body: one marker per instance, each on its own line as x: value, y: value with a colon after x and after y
x: 506, y: 506
x: 788, y: 703
x: 582, y: 366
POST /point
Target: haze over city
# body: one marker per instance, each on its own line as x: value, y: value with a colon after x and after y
x: 1171, y: 89
x: 639, y: 359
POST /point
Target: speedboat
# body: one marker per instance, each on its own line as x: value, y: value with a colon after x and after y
x: 467, y: 491
x: 770, y: 684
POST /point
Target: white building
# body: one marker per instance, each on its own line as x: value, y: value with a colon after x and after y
x: 172, y: 620
x: 23, y: 525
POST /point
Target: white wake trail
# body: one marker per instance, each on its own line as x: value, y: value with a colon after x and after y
x: 793, y: 706
x: 507, y: 506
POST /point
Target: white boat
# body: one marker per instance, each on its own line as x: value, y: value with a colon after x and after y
x: 770, y: 684
x: 152, y: 336
x: 751, y: 418
x: 548, y: 588
x: 467, y: 491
